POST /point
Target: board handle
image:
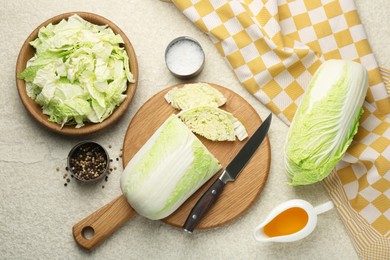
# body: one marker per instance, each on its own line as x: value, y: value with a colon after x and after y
x: 98, y: 226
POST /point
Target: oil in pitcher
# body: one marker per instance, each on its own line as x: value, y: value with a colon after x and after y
x: 290, y: 221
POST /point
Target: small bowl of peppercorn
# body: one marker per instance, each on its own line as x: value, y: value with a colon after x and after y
x: 88, y: 161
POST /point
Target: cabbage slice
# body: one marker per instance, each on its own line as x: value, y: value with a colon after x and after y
x: 194, y: 95
x: 167, y: 170
x: 213, y: 123
x: 78, y: 73
x: 199, y: 103
x: 326, y: 121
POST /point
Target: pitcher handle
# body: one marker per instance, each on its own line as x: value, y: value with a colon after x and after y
x: 324, y: 207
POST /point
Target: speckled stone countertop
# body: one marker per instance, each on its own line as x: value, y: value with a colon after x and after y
x: 37, y: 211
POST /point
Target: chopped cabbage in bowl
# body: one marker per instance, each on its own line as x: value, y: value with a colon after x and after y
x: 78, y: 73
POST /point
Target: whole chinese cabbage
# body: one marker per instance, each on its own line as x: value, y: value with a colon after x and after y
x: 167, y: 170
x: 78, y: 73
x: 325, y: 121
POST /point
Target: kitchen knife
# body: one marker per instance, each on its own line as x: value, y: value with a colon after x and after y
x: 230, y: 173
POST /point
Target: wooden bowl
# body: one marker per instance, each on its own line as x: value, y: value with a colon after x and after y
x: 35, y: 110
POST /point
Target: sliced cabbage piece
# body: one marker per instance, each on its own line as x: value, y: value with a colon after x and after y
x: 194, y: 95
x: 326, y: 121
x: 167, y: 170
x: 213, y: 123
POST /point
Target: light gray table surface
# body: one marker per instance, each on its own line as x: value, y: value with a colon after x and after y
x: 37, y: 212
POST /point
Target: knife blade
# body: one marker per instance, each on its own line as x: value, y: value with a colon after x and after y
x: 230, y: 173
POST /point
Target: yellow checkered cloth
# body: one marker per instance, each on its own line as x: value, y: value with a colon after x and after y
x: 274, y: 47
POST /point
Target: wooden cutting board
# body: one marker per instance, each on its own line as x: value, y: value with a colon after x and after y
x: 236, y: 197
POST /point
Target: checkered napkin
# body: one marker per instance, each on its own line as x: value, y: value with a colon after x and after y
x: 274, y: 47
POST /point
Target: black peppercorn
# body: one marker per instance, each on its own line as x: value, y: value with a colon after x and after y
x: 88, y: 161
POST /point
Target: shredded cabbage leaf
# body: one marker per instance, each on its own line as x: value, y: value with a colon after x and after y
x: 78, y: 73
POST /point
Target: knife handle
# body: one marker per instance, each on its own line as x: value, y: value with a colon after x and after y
x: 203, y: 205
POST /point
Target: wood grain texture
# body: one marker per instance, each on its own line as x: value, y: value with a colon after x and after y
x: 104, y: 222
x: 35, y: 110
x: 237, y: 196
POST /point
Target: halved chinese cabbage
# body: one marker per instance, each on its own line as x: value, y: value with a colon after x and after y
x: 167, y: 170
x: 326, y: 121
